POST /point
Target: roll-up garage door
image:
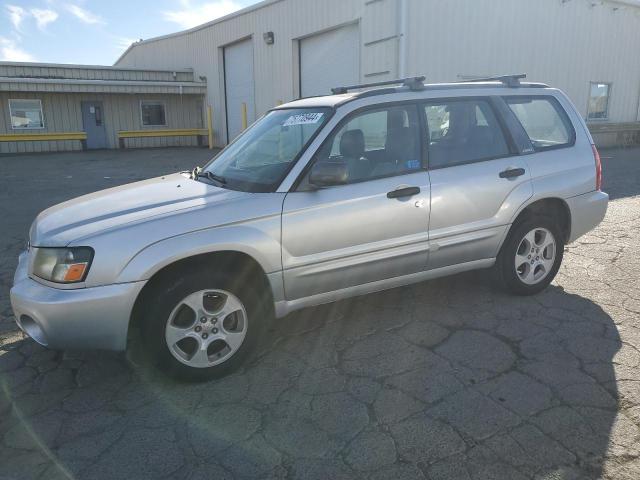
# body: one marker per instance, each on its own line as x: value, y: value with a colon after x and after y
x: 329, y: 60
x: 239, y: 85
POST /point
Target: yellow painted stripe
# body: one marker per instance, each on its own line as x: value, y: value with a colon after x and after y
x: 31, y: 137
x: 210, y: 126
x: 163, y: 133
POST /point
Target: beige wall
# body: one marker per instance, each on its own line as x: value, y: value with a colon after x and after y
x: 564, y: 43
x: 275, y: 66
x: 62, y: 113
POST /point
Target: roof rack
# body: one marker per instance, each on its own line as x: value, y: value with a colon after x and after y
x: 414, y: 83
x: 508, y: 80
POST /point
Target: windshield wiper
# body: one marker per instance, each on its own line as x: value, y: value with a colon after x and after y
x: 199, y: 173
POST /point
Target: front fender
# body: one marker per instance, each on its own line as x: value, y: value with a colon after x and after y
x: 262, y: 244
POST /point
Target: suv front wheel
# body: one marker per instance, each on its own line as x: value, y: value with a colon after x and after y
x: 204, y: 325
x: 530, y: 257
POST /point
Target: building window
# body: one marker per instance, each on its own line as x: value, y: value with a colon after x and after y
x: 26, y: 114
x: 599, y: 101
x: 152, y: 114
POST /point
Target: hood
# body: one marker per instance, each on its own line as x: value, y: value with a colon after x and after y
x: 109, y: 209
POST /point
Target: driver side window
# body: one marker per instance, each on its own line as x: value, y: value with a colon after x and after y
x: 376, y: 143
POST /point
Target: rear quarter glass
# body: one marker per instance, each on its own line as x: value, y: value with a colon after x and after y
x: 565, y: 169
x: 544, y: 119
x: 582, y: 130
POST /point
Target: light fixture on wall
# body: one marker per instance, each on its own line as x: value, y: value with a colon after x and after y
x: 268, y: 38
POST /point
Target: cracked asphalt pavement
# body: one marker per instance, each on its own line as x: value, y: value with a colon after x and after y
x: 447, y: 379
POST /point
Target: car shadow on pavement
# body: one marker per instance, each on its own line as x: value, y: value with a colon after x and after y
x: 444, y: 379
x: 620, y: 172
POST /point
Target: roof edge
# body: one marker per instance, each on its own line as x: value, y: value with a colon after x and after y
x: 91, y: 81
x: 92, y: 67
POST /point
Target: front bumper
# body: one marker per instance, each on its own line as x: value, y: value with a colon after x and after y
x: 84, y: 318
x: 587, y: 211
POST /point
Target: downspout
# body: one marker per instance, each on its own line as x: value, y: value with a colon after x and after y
x: 402, y: 38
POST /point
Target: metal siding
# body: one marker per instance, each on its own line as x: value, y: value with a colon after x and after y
x: 380, y: 20
x: 121, y: 112
x: 566, y: 44
x: 85, y: 72
x: 274, y: 65
x: 381, y: 61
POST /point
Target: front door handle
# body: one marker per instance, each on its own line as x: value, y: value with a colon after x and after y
x: 512, y: 173
x: 404, y: 192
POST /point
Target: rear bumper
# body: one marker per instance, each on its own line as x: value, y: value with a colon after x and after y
x: 587, y: 211
x: 85, y: 318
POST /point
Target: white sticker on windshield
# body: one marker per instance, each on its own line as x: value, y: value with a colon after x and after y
x: 303, y: 119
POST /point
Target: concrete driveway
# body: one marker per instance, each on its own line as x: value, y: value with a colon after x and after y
x: 443, y: 380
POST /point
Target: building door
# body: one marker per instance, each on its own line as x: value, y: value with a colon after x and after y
x: 93, y: 122
x: 239, y: 86
x: 328, y: 60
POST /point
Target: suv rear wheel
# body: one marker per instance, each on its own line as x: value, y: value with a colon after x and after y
x: 530, y: 257
x: 204, y: 325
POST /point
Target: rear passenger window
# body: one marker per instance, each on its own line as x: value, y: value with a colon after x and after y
x: 463, y: 131
x: 544, y: 120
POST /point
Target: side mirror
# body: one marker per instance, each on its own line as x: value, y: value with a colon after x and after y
x: 326, y: 174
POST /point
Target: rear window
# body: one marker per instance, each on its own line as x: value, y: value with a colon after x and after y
x: 544, y: 120
x: 463, y: 131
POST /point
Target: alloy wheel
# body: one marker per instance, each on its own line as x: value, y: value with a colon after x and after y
x: 206, y: 328
x: 535, y: 256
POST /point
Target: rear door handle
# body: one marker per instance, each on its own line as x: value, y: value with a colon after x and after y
x: 404, y: 192
x: 512, y: 173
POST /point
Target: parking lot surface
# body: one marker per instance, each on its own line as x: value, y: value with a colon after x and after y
x: 447, y: 379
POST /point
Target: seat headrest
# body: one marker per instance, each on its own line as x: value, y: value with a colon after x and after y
x: 352, y: 144
x: 481, y: 135
x: 396, y: 118
x: 401, y: 144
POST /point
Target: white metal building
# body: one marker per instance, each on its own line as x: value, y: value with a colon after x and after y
x: 278, y: 50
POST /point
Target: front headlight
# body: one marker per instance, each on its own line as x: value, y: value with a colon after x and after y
x: 63, y: 265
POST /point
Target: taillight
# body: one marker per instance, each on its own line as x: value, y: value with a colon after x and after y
x: 596, y: 157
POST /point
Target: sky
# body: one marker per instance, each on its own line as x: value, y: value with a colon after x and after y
x: 95, y: 32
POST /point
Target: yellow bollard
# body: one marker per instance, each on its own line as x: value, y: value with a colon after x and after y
x: 244, y: 116
x: 210, y: 126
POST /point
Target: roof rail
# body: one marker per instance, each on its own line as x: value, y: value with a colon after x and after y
x: 508, y: 80
x: 414, y: 83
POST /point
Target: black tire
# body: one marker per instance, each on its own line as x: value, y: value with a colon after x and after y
x: 170, y: 293
x: 504, y: 269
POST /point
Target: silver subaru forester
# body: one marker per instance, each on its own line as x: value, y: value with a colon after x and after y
x: 321, y: 199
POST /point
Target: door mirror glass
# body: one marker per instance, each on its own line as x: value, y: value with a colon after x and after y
x: 328, y: 173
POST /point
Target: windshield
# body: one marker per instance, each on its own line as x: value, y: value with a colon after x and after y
x: 259, y: 159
